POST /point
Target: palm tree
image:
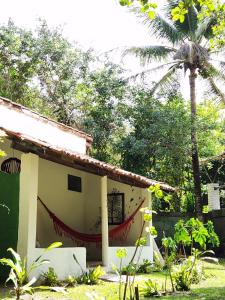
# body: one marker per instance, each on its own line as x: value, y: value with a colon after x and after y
x: 184, y: 46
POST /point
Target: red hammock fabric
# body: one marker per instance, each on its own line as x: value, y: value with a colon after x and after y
x: 121, y: 231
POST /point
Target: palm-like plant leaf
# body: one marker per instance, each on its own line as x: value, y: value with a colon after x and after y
x: 149, y: 53
x: 167, y: 80
x: 215, y: 90
x: 204, y: 29
x: 160, y: 27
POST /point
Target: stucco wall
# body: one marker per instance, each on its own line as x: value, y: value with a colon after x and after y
x: 142, y: 253
x: 81, y: 211
x: 67, y: 205
x: 62, y: 261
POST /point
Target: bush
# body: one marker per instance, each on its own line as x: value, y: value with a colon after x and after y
x: 50, y: 278
x: 70, y: 281
x: 91, y: 277
x: 187, y: 273
x: 150, y: 288
x: 130, y: 269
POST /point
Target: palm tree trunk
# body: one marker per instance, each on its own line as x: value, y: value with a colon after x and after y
x: 195, y: 159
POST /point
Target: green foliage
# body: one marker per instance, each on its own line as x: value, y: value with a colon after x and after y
x: 194, y: 231
x: 70, y: 281
x: 50, y: 277
x: 19, y: 272
x: 104, y: 111
x: 151, y: 288
x: 91, y: 277
x: 130, y: 269
x: 121, y: 253
x: 187, y: 273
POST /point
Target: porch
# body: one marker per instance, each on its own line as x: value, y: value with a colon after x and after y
x: 85, y: 211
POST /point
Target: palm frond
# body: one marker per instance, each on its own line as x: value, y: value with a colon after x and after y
x: 212, y: 72
x: 203, y: 29
x: 167, y: 80
x: 190, y: 24
x: 160, y: 27
x: 215, y: 90
x: 150, y: 53
x: 155, y: 69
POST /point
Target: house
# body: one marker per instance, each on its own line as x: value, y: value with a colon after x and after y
x: 56, y: 192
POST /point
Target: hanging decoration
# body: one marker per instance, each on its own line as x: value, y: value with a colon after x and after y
x: 11, y: 165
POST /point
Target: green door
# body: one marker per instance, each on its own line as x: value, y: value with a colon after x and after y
x: 9, y: 215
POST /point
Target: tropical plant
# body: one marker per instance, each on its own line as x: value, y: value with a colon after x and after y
x: 207, y: 8
x: 193, y: 233
x: 169, y: 247
x: 150, y: 288
x: 187, y: 48
x: 70, y: 281
x: 91, y: 277
x: 146, y: 267
x: 20, y: 272
x: 50, y: 277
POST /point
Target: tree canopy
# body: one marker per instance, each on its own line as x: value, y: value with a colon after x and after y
x: 133, y: 128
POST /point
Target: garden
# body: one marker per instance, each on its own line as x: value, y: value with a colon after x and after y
x: 145, y: 126
x: 188, y: 268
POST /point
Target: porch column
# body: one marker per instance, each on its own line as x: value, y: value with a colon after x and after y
x: 104, y: 224
x: 28, y: 204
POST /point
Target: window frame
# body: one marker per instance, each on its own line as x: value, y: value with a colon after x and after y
x: 69, y: 183
x: 110, y: 217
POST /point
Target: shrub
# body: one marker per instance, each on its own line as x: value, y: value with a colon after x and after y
x: 50, y: 278
x: 150, y: 288
x: 188, y: 272
x: 70, y: 281
x: 19, y: 272
x: 91, y: 277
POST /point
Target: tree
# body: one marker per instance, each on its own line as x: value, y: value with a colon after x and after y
x: 61, y: 71
x: 158, y: 143
x: 187, y: 48
x: 103, y: 110
x: 206, y: 9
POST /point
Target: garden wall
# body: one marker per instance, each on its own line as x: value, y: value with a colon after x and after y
x: 164, y: 223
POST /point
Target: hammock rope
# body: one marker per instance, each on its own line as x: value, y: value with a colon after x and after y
x: 119, y: 232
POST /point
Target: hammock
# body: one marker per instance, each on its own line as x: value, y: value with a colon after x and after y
x: 119, y: 232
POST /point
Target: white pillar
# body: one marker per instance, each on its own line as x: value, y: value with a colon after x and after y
x: 104, y: 224
x: 213, y: 196
x: 28, y: 204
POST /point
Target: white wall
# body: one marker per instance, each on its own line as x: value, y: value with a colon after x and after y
x: 65, y: 204
x: 81, y: 211
x: 133, y: 197
x: 145, y: 252
x: 61, y: 259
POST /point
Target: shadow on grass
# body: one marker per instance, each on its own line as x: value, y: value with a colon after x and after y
x: 201, y: 294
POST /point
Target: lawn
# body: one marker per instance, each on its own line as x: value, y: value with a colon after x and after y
x: 213, y: 287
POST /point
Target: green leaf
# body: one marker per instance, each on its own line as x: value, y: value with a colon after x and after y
x: 53, y: 246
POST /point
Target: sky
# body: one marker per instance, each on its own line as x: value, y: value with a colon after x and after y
x: 99, y: 24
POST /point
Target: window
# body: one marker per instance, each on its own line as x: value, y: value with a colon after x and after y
x: 74, y: 183
x: 115, y: 208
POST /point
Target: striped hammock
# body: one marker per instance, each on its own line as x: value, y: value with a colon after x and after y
x: 119, y: 232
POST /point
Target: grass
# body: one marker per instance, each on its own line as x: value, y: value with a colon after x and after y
x: 213, y: 287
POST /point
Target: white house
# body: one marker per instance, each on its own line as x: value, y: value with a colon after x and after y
x: 61, y: 194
